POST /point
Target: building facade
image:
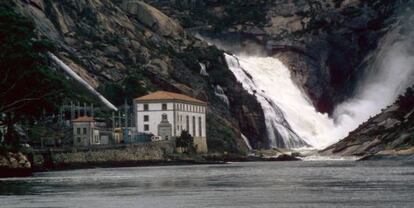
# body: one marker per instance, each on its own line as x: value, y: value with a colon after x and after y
x: 167, y: 114
x: 88, y: 132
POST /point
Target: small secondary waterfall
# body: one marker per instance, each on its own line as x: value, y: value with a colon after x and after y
x: 291, y: 119
x: 79, y: 79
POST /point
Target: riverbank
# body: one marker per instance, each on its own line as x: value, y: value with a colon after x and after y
x: 14, y: 164
x: 146, y: 154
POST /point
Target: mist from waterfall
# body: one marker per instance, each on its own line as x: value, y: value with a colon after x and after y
x: 291, y: 119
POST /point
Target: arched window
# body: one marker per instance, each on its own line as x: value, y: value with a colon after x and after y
x: 194, y: 126
x: 187, y: 123
x: 200, y: 127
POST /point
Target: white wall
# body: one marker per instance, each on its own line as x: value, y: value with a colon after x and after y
x: 182, y: 124
x: 85, y: 138
x: 155, y: 113
x: 181, y: 110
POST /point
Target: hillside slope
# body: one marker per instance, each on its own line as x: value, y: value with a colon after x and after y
x: 107, y: 42
x: 388, y: 133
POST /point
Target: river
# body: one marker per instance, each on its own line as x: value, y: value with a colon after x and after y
x: 252, y: 184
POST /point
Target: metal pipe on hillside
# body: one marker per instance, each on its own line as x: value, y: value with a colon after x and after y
x: 71, y: 73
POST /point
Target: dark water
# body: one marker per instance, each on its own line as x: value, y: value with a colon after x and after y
x: 261, y: 184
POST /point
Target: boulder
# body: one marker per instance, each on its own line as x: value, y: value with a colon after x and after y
x: 14, y: 165
x: 153, y: 18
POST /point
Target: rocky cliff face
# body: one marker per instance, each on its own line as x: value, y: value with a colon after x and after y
x: 388, y: 133
x: 325, y: 43
x: 108, y: 41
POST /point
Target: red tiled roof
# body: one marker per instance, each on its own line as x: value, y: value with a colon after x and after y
x: 84, y: 119
x: 163, y: 95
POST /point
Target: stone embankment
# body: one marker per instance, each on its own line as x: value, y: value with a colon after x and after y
x: 122, y: 155
x: 14, y: 165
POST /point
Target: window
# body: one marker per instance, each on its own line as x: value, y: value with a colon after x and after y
x: 79, y: 139
x: 164, y: 117
x: 84, y: 131
x: 194, y: 127
x: 187, y: 120
x: 200, y: 127
x: 146, y: 127
x: 146, y: 117
x: 145, y: 107
x: 78, y: 130
x: 164, y: 106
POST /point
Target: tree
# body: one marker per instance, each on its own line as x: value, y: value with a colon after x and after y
x: 129, y: 88
x: 185, y: 141
x: 28, y: 86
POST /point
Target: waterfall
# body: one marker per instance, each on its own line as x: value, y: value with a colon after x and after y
x: 260, y: 76
x: 389, y: 75
x: 246, y: 141
x: 203, y: 70
x: 219, y: 92
x: 79, y: 79
x: 291, y: 119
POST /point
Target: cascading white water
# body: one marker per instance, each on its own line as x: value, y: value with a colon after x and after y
x: 291, y: 119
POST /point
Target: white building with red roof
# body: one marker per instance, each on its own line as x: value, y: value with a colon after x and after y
x: 166, y: 115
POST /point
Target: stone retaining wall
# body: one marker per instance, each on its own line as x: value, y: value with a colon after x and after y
x: 153, y: 151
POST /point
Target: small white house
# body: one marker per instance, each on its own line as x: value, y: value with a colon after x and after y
x: 87, y: 132
x: 167, y: 114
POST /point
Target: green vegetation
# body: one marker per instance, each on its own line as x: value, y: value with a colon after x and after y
x: 131, y: 87
x: 406, y: 101
x: 29, y: 87
x: 185, y: 141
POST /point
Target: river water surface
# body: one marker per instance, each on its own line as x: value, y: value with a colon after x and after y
x: 255, y: 184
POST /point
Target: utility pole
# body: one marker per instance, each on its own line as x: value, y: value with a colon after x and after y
x: 126, y: 113
x: 85, y: 109
x: 113, y: 119
x: 92, y: 111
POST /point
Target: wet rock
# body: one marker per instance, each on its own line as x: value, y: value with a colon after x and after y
x: 382, y: 136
